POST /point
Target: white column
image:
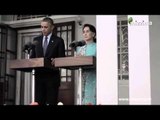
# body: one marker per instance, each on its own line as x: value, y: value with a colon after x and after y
x: 139, y: 63
x: 27, y: 88
x: 107, y: 81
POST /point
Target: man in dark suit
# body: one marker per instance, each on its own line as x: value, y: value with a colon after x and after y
x: 48, y: 46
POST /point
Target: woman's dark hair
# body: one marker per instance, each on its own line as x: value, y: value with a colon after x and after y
x: 92, y: 28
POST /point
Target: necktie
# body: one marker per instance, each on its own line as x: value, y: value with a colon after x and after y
x: 45, y: 45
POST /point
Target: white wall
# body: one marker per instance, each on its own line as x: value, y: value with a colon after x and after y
x: 139, y: 60
x: 155, y: 58
x: 107, y: 72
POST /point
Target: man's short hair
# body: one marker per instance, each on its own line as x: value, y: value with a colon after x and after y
x: 49, y: 20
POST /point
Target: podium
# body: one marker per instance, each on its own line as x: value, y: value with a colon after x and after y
x: 30, y: 65
x: 27, y: 65
x: 72, y: 63
x: 77, y: 62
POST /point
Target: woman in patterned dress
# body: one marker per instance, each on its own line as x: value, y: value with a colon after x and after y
x: 88, y: 75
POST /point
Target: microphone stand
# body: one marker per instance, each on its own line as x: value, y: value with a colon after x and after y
x: 79, y: 82
x: 32, y: 80
x: 80, y: 86
x: 74, y: 45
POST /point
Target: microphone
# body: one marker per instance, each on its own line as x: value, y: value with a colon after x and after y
x: 26, y: 46
x: 29, y: 46
x: 75, y: 44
